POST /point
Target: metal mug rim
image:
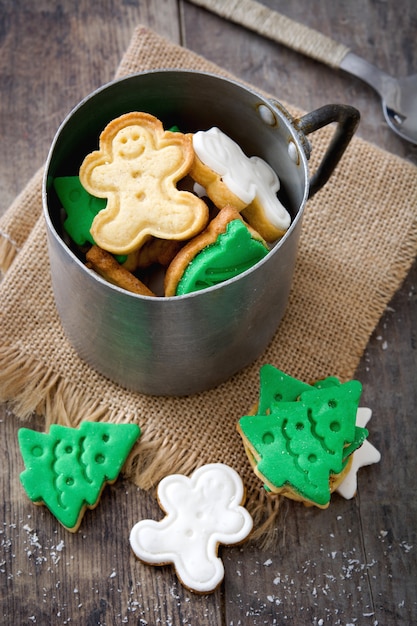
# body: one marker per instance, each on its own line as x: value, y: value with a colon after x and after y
x: 285, y: 117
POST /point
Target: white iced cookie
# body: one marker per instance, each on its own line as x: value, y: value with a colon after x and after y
x: 247, y: 183
x: 367, y: 454
x: 202, y: 512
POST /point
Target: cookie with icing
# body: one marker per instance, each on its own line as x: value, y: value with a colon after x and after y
x: 226, y: 248
x: 137, y: 168
x: 301, y: 448
x: 202, y: 512
x: 248, y: 183
x: 67, y: 468
x: 277, y: 386
x: 366, y: 454
x: 80, y: 208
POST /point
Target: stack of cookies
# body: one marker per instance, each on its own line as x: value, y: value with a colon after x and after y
x: 300, y: 438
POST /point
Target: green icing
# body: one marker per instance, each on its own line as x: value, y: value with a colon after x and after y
x: 360, y: 436
x: 67, y: 468
x: 233, y: 252
x: 80, y: 207
x: 300, y: 444
x: 276, y: 386
x: 330, y: 381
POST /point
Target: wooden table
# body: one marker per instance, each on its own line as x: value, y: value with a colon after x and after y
x: 354, y: 563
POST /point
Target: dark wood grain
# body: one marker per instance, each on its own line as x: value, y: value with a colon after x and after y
x: 356, y: 561
x: 379, y: 32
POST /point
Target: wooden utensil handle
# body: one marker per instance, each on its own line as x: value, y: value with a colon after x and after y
x: 279, y: 28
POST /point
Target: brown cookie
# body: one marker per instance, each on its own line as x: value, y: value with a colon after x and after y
x: 154, y: 250
x: 106, y: 265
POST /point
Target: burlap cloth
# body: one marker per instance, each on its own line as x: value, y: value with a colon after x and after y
x: 359, y: 239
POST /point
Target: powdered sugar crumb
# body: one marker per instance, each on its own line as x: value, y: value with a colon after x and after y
x: 315, y: 582
x: 405, y: 546
x: 60, y: 546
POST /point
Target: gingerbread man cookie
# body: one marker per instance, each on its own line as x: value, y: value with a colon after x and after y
x: 137, y: 168
x: 201, y: 512
x: 247, y: 183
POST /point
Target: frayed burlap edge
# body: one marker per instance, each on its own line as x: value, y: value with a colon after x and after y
x: 31, y: 388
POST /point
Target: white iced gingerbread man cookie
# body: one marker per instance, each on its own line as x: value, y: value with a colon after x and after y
x: 202, y: 512
x: 247, y: 183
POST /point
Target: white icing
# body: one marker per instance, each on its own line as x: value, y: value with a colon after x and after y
x: 201, y: 512
x: 367, y: 454
x: 246, y: 177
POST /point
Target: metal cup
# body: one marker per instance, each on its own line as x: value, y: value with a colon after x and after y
x: 185, y: 344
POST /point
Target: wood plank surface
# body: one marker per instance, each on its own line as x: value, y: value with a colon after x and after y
x: 354, y: 563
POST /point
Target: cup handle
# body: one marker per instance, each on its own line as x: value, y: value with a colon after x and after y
x: 347, y: 119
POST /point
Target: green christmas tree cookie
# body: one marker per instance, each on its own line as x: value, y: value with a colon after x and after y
x: 276, y: 386
x: 67, y: 468
x: 80, y: 206
x: 298, y: 447
x: 232, y: 253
